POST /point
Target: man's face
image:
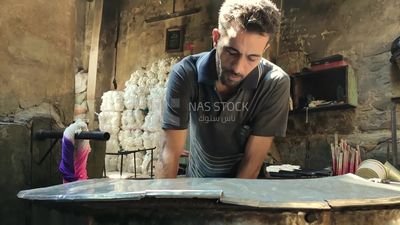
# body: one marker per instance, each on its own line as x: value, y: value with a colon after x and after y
x: 238, y: 52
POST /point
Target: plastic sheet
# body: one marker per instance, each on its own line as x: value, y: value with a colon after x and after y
x: 319, y: 193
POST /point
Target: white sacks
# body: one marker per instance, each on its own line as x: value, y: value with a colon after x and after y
x: 131, y: 140
x: 112, y: 145
x: 134, y: 117
x: 135, y: 97
x: 112, y: 101
x: 156, y: 98
x: 81, y: 82
x: 111, y: 163
x: 152, y: 122
x: 155, y: 102
x: 81, y: 107
x: 110, y: 122
x: 131, y: 97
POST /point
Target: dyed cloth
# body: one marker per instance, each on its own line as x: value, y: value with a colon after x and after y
x: 74, y: 154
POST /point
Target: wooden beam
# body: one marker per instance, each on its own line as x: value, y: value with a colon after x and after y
x: 93, y: 62
x: 172, y: 15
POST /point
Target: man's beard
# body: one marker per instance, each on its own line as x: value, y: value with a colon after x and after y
x: 228, y: 77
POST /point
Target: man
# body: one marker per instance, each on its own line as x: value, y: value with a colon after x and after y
x: 235, y: 101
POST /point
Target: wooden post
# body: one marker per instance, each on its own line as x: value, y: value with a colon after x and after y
x: 93, y: 60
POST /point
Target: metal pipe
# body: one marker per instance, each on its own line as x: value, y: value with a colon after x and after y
x: 48, y: 152
x: 122, y: 163
x: 134, y: 163
x: 394, y: 133
x: 90, y: 135
x: 151, y: 165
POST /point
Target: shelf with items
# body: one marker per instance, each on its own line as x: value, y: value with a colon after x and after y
x: 328, y: 88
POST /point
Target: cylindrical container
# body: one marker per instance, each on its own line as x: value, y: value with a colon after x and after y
x: 392, y: 173
x: 371, y: 168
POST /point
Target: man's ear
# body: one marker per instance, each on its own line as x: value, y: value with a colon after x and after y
x: 215, y: 36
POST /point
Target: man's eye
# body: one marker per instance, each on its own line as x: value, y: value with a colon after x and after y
x: 253, y: 59
x: 231, y: 52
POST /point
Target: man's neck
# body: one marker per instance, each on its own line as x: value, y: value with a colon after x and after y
x: 225, y: 91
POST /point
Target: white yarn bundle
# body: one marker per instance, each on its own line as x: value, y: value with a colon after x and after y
x: 133, y: 129
x: 111, y: 163
x: 145, y: 167
x: 135, y: 97
x: 131, y: 97
x: 112, y: 101
x: 131, y: 139
x: 125, y: 164
x: 131, y: 164
x: 110, y: 122
x: 152, y: 122
x: 156, y: 98
x: 147, y: 140
x: 112, y: 145
x: 81, y: 82
x: 132, y: 119
x: 157, y: 138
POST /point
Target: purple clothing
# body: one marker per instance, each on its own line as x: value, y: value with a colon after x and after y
x: 73, y: 166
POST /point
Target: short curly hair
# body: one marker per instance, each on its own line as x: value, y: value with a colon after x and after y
x: 261, y: 16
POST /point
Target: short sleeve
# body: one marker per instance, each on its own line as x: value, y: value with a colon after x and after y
x: 272, y: 112
x: 178, y: 94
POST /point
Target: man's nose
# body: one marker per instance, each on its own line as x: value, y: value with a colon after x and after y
x: 239, y: 65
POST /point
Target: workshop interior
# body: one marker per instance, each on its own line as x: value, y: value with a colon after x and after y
x: 86, y: 80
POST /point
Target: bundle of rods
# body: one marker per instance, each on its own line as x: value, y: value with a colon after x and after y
x: 345, y: 158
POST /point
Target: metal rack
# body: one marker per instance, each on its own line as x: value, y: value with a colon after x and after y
x: 123, y: 153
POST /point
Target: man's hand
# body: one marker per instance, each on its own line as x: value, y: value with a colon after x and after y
x: 257, y: 148
x: 174, y: 141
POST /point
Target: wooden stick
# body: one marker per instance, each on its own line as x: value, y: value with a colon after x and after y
x: 340, y: 163
x: 93, y: 60
x: 345, y: 161
x: 352, y: 160
x: 333, y: 159
x: 358, y: 159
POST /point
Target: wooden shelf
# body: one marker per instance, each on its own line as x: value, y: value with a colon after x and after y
x: 335, y: 84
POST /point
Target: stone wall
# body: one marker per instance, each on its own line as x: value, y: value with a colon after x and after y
x: 15, y: 168
x: 42, y: 45
x: 141, y: 43
x: 36, y: 55
x: 361, y: 31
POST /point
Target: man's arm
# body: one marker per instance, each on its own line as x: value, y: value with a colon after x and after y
x: 174, y: 141
x: 257, y: 148
x: 176, y: 116
x: 270, y: 121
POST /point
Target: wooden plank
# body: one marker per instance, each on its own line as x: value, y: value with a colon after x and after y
x: 352, y: 87
x: 172, y: 15
x: 93, y: 61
